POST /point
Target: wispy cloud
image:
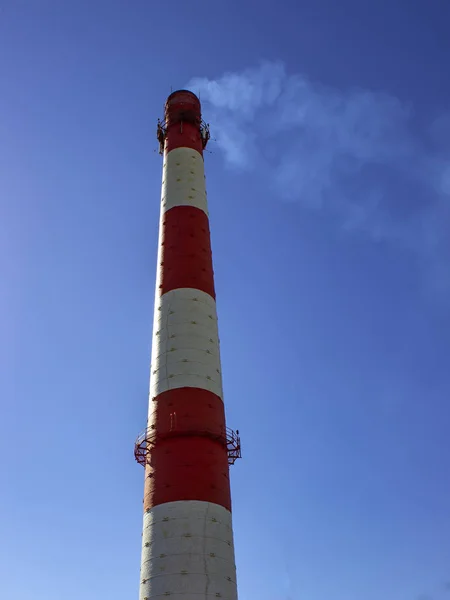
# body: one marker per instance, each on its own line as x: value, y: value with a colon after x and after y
x: 357, y: 154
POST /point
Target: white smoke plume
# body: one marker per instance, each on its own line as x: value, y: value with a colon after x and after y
x: 357, y: 154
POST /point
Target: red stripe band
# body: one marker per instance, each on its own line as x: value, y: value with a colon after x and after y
x: 186, y: 259
x: 183, y: 120
x: 188, y: 460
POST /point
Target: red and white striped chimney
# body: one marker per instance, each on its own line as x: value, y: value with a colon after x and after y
x: 187, y: 540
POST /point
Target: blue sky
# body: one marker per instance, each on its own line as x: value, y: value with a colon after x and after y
x: 329, y: 190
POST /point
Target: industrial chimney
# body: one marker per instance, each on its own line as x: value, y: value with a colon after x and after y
x: 186, y: 449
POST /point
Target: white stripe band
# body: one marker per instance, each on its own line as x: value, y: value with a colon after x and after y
x: 185, y: 349
x: 188, y: 551
x: 183, y: 180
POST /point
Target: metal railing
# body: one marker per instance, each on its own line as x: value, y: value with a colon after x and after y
x: 145, y: 441
x: 161, y: 133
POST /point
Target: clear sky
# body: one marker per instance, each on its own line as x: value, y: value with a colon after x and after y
x: 329, y: 191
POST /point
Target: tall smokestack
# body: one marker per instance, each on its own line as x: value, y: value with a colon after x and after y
x: 187, y: 540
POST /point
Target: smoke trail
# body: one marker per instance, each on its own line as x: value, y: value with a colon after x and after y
x: 355, y: 154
